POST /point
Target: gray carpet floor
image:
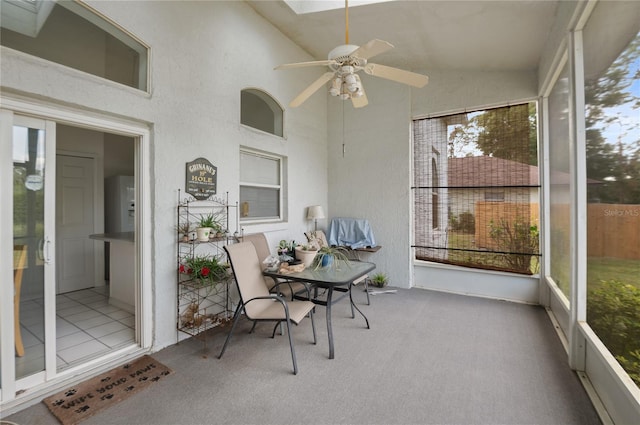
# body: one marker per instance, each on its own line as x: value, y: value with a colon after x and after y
x: 429, y: 358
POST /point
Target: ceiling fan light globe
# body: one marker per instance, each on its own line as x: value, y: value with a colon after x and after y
x: 347, y: 70
x: 336, y: 85
x: 352, y: 88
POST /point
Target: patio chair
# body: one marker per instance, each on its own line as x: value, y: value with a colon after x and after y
x: 289, y: 288
x: 257, y: 302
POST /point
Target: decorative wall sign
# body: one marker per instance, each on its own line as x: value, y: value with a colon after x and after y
x: 201, y: 178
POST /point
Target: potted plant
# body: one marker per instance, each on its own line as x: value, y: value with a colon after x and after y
x: 306, y: 253
x: 286, y: 250
x: 218, y: 230
x: 183, y: 231
x: 205, y: 227
x: 379, y: 279
x: 205, y: 270
x: 327, y: 255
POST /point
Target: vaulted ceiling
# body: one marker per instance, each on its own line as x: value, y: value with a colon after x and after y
x: 441, y: 35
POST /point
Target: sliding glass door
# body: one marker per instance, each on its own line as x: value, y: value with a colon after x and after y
x: 29, y: 351
x: 29, y: 248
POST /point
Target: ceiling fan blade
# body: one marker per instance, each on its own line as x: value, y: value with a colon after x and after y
x: 371, y: 49
x: 305, y: 64
x: 395, y: 74
x: 306, y: 93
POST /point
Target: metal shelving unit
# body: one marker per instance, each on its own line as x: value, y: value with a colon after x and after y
x: 202, y: 306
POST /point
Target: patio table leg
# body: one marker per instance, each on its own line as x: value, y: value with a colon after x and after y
x: 353, y: 305
x: 329, y: 328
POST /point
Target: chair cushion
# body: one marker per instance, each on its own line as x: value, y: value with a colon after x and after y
x: 273, y: 310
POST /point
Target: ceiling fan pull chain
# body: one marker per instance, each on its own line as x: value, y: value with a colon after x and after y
x: 344, y: 145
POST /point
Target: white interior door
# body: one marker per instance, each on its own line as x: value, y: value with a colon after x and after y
x: 74, y: 223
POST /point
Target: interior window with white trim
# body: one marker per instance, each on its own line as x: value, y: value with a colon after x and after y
x: 72, y: 34
x: 261, y: 186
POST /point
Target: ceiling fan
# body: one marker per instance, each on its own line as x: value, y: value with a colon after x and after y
x: 345, y: 62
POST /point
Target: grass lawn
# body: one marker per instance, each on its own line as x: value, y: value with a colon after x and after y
x: 598, y: 269
x: 625, y: 271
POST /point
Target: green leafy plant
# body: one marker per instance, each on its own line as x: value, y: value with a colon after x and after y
x: 286, y: 247
x: 212, y: 221
x: 465, y: 222
x: 379, y: 279
x: 308, y: 247
x: 207, y: 221
x: 519, y: 239
x: 327, y: 255
x: 613, y: 312
x: 183, y: 228
x: 206, y: 270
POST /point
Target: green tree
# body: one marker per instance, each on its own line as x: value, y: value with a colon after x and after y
x: 614, y: 165
x: 509, y: 133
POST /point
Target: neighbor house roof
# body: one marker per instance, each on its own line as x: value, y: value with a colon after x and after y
x: 481, y: 171
x: 486, y: 171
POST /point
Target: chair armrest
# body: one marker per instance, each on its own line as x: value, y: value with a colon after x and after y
x: 273, y: 297
x: 289, y: 282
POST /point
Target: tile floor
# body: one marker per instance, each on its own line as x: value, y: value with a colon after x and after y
x: 87, y: 326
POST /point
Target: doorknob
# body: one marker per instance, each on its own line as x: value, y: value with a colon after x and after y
x: 40, y: 250
x: 47, y: 255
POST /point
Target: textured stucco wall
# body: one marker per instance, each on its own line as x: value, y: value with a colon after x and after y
x: 202, y: 55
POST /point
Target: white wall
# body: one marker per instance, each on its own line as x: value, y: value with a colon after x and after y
x: 202, y: 55
x: 373, y: 179
x: 479, y: 283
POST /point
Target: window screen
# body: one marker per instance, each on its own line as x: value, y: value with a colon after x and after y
x: 476, y: 189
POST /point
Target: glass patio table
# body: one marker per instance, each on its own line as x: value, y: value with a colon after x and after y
x: 336, y: 278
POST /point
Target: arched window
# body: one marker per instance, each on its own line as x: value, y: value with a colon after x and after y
x: 261, y: 111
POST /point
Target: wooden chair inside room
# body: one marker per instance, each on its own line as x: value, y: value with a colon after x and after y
x: 18, y: 270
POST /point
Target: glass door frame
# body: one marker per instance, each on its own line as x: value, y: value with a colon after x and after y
x: 9, y: 382
x: 12, y: 108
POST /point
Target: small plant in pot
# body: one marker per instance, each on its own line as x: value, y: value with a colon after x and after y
x: 327, y: 255
x: 217, y: 229
x: 205, y: 227
x: 286, y: 251
x: 306, y: 254
x: 183, y: 230
x: 379, y: 280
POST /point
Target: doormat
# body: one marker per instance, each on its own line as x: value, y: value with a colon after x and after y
x: 90, y: 397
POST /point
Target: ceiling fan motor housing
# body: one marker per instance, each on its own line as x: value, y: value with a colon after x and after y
x: 342, y: 55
